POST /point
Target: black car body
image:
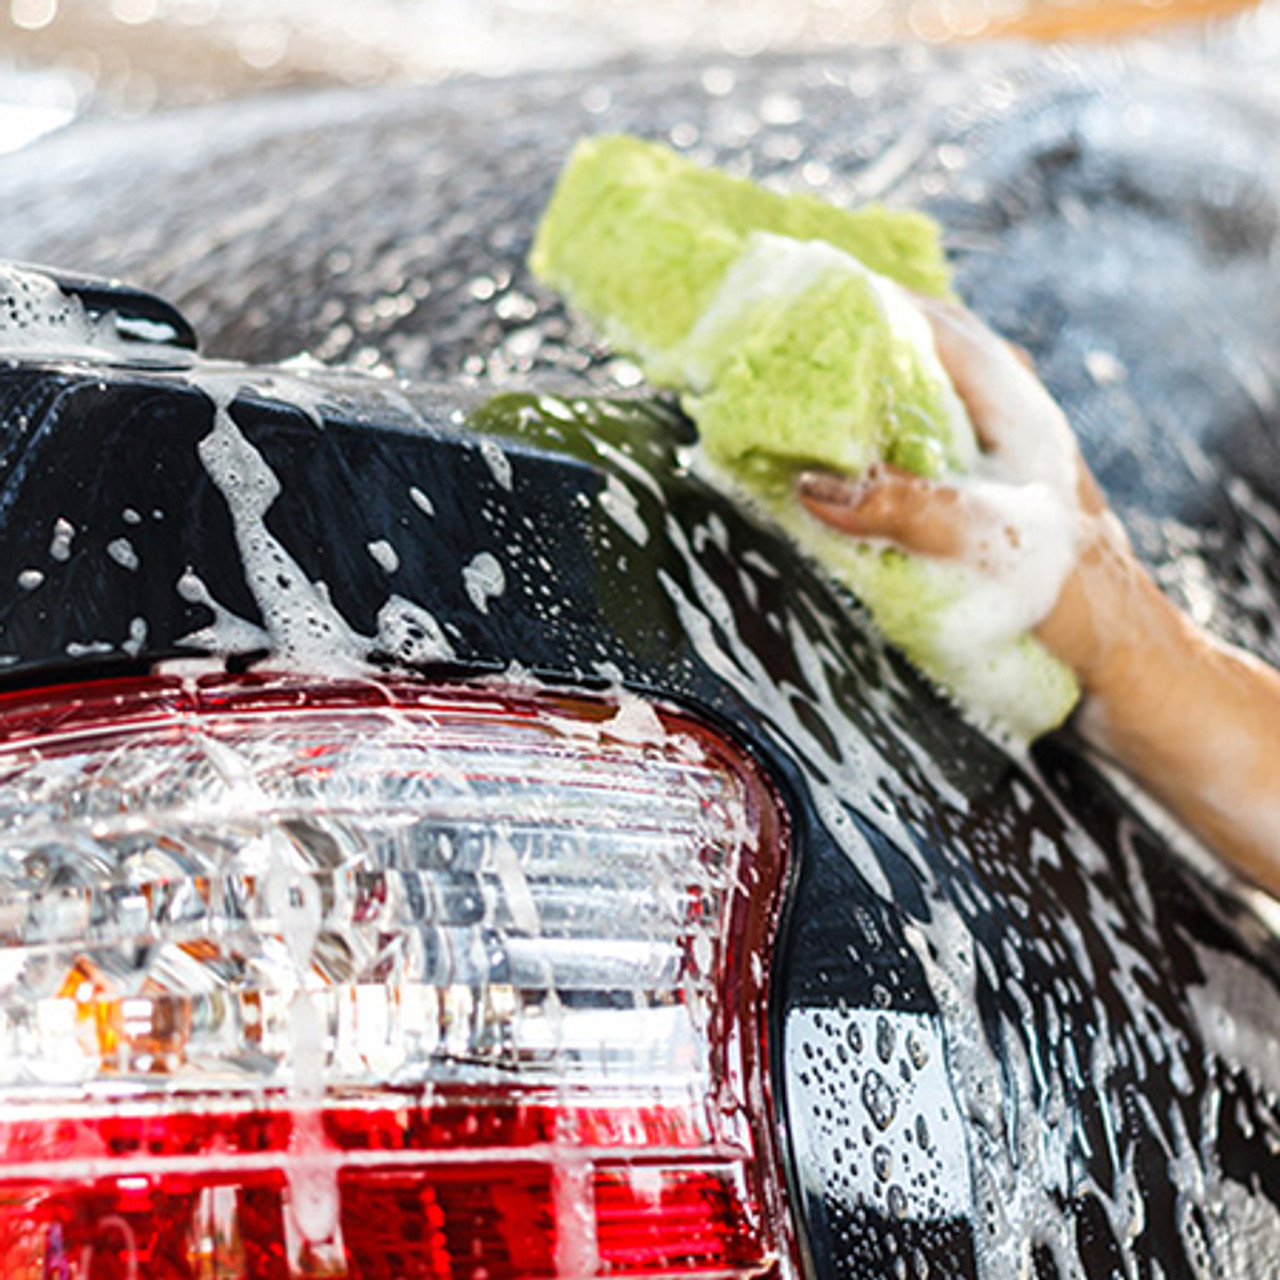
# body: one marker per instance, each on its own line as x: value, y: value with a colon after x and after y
x: 1009, y: 1029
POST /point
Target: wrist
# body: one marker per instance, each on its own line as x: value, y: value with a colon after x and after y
x: 1147, y: 642
x: 1105, y: 607
x: 1143, y: 684
x: 1121, y: 636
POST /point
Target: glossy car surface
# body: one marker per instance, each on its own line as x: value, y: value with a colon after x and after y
x: 1011, y: 1029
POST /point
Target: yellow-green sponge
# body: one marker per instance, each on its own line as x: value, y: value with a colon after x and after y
x: 775, y: 318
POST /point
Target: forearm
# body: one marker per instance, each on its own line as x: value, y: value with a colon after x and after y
x: 1197, y: 722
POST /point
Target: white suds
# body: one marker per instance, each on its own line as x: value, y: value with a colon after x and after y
x: 88, y: 648
x: 483, y: 579
x: 60, y: 544
x: 385, y: 554
x: 294, y: 900
x: 554, y: 407
x: 1015, y: 572
x: 137, y: 637
x: 517, y: 895
x: 498, y: 463
x: 37, y: 318
x: 620, y: 505
x: 759, y: 563
x: 421, y: 501
x: 30, y: 579
x: 297, y: 612
x: 625, y: 463
x: 636, y: 722
x: 410, y: 633
x: 122, y: 552
x: 228, y: 633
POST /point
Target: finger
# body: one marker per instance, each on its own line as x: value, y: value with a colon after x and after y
x: 1015, y: 418
x: 919, y: 515
x: 982, y: 367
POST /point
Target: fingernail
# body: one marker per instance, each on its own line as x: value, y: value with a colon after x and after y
x: 825, y: 487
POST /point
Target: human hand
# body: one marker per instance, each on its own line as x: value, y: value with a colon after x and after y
x: 1196, y: 720
x: 1031, y: 517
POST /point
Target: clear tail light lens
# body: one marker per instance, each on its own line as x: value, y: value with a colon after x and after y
x: 383, y: 981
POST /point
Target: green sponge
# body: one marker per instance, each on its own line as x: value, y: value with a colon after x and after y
x: 640, y: 239
x: 777, y: 319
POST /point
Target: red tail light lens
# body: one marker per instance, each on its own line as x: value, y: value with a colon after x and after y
x: 380, y: 981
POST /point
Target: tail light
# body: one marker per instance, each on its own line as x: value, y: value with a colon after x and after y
x: 382, y: 981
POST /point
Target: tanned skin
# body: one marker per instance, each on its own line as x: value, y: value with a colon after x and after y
x: 1196, y: 721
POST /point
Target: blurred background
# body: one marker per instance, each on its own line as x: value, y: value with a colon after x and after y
x: 63, y: 58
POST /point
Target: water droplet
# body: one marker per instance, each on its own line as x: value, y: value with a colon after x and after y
x: 879, y: 1099
x: 896, y: 1199
x: 885, y: 1039
x: 917, y: 1049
